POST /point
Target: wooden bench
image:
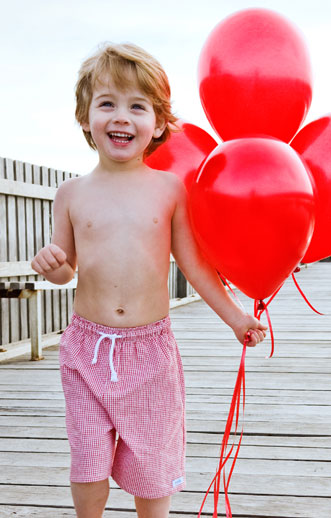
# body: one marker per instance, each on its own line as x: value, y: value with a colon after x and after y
x: 32, y: 291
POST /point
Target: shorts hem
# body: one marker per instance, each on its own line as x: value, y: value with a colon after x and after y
x: 150, y: 495
x: 87, y: 480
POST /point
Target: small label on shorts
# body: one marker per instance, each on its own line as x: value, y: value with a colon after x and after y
x: 177, y: 482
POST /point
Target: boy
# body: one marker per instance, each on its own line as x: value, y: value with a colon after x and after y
x: 120, y: 366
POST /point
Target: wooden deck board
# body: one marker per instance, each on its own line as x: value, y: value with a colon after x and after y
x: 283, y: 469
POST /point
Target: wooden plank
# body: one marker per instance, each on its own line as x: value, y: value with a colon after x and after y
x: 63, y: 309
x: 284, y: 484
x: 21, y: 236
x: 16, y: 268
x: 27, y: 190
x: 54, y: 294
x: 203, y: 451
x: 4, y: 304
x: 14, y: 317
x: 38, y: 230
x: 46, y: 218
x: 66, y: 297
x: 286, y: 428
x: 263, y: 506
x: 29, y: 220
x: 36, y: 326
x: 61, y: 177
x: 35, y: 512
x: 36, y: 285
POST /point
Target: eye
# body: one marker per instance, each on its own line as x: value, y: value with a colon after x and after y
x: 107, y: 104
x: 138, y: 106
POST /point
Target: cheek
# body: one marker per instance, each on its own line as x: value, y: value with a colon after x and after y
x: 149, y: 128
x: 97, y: 125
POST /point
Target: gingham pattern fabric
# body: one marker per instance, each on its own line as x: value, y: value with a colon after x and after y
x: 145, y: 406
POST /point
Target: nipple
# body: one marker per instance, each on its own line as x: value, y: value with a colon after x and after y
x: 120, y: 311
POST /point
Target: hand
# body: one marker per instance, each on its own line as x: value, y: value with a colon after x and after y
x: 252, y: 328
x: 48, y: 259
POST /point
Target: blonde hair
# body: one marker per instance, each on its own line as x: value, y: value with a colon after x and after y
x: 126, y: 64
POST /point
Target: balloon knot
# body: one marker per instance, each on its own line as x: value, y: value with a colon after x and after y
x: 261, y: 306
x: 297, y: 269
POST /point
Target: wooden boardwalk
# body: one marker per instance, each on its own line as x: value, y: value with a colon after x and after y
x: 284, y: 467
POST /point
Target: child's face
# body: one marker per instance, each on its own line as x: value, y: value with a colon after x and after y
x: 122, y: 122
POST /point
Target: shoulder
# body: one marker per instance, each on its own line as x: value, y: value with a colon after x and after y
x: 66, y: 191
x: 67, y: 187
x: 171, y: 182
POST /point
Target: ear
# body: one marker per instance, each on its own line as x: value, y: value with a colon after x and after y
x: 85, y: 126
x: 159, y: 128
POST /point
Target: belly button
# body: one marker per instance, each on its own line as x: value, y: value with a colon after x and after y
x: 120, y: 311
x: 89, y: 223
x: 155, y: 220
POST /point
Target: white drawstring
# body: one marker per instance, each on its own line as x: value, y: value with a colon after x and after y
x: 111, y: 353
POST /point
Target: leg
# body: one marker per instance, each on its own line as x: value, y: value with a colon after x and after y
x: 153, y: 508
x: 90, y: 498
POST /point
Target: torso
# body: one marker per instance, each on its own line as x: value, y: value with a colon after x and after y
x: 122, y: 231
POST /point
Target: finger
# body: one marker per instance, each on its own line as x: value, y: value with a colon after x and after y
x: 36, y: 266
x: 260, y: 334
x: 257, y: 336
x: 253, y: 338
x: 252, y: 342
x: 50, y: 259
x: 58, y: 253
x: 43, y: 264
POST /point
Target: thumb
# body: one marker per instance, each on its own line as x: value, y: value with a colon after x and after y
x: 262, y: 327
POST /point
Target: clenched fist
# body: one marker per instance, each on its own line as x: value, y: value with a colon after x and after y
x: 48, y: 259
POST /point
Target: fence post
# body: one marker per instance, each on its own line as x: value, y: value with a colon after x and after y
x: 181, y: 284
x: 35, y: 326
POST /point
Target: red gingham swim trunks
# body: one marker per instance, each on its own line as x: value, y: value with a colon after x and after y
x: 129, y: 381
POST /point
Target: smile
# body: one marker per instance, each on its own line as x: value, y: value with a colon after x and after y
x: 119, y: 137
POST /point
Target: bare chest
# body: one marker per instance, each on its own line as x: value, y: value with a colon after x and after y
x: 104, y: 215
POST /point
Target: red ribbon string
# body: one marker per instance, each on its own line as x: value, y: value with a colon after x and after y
x: 303, y: 295
x: 271, y: 333
x: 259, y: 308
x: 232, y: 291
x: 224, y: 456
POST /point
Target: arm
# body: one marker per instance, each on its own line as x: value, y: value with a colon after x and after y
x: 203, y: 277
x: 57, y: 261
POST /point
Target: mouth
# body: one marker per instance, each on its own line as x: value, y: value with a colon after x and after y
x: 120, y: 137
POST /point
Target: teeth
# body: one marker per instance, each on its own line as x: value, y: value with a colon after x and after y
x: 120, y: 134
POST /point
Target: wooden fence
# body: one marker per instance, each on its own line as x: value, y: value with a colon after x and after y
x: 26, y: 197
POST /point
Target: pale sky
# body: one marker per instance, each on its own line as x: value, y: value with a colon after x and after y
x: 43, y: 43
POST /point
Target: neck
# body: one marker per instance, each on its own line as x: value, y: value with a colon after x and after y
x: 106, y: 166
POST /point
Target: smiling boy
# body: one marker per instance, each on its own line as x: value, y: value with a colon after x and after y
x: 120, y: 366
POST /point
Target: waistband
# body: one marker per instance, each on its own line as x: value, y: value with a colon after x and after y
x: 154, y: 328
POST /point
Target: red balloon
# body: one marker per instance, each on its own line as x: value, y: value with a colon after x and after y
x: 313, y: 143
x: 183, y: 153
x: 255, y: 76
x: 252, y: 212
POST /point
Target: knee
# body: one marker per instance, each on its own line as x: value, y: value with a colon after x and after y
x: 153, y: 508
x: 90, y: 498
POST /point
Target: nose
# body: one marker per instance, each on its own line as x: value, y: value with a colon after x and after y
x: 121, y: 116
